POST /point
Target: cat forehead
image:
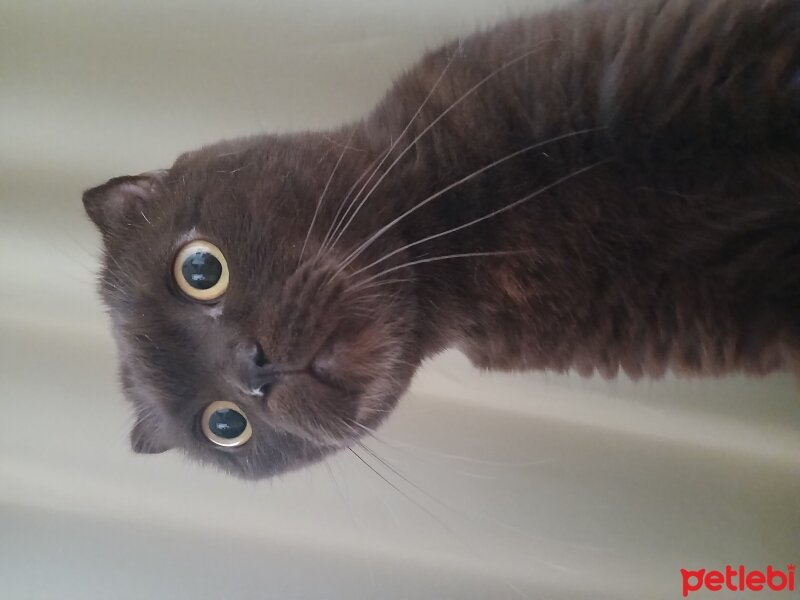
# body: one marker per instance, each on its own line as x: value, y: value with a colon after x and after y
x: 263, y: 150
x: 209, y: 186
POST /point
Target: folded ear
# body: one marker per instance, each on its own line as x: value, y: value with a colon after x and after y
x: 145, y: 438
x: 122, y: 201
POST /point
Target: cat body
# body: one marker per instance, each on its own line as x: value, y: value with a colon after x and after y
x: 612, y: 186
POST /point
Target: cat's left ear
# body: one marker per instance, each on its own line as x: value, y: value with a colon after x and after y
x: 123, y: 201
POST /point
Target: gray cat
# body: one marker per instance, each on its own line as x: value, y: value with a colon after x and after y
x: 613, y: 186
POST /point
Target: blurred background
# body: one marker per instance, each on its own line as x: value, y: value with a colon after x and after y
x: 479, y: 487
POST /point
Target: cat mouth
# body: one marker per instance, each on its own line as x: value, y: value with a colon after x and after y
x: 328, y: 367
x: 324, y: 369
x: 325, y: 378
x: 321, y: 375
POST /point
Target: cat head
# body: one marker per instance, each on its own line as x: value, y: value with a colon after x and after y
x: 246, y: 336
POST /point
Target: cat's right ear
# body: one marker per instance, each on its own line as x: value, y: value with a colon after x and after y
x: 145, y: 437
x: 123, y: 202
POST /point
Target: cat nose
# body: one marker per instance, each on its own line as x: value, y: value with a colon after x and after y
x: 259, y: 358
x: 258, y: 374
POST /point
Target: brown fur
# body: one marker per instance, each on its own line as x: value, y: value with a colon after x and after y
x: 663, y: 234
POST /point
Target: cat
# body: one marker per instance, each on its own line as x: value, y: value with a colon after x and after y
x: 611, y: 186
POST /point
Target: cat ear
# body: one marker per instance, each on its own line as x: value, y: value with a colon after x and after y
x: 122, y: 201
x: 145, y: 439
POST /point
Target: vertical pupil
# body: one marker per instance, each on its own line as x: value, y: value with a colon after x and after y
x: 227, y: 423
x: 201, y: 270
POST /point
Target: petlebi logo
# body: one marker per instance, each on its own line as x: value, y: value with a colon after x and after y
x: 739, y: 579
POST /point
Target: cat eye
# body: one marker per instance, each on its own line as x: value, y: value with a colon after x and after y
x: 201, y: 272
x: 224, y: 424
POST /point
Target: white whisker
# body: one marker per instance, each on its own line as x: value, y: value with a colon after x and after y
x: 430, y: 126
x: 440, y: 258
x: 474, y: 222
x: 394, y: 143
x: 428, y: 511
x: 453, y: 185
x: 322, y: 197
x: 335, y: 219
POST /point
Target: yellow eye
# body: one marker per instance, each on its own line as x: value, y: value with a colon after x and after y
x: 201, y: 272
x: 224, y: 424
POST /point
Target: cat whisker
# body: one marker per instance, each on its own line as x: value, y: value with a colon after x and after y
x: 440, y: 258
x: 404, y: 494
x: 322, y: 197
x: 229, y: 154
x: 360, y: 249
x: 527, y: 535
x: 429, y: 512
x: 335, y: 219
x: 386, y: 282
x: 455, y: 510
x: 444, y: 456
x: 316, y: 428
x: 391, y: 147
x: 439, y: 458
x: 490, y: 215
x: 358, y: 290
x: 430, y: 126
x: 346, y: 146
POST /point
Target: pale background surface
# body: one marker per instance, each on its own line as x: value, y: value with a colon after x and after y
x: 532, y: 486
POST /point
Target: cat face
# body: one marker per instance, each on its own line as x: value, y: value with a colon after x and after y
x: 242, y: 340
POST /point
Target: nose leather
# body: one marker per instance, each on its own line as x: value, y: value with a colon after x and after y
x: 253, y: 370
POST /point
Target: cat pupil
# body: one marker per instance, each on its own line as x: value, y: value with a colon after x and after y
x: 202, y: 270
x: 227, y: 423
